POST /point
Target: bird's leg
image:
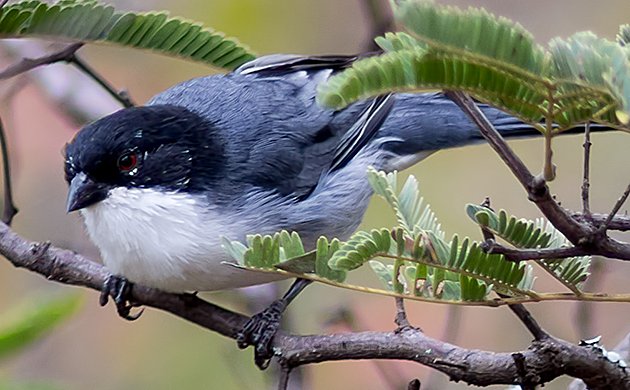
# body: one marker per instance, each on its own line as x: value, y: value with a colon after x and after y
x: 119, y: 288
x: 260, y: 330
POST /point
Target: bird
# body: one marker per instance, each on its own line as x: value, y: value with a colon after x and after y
x: 247, y: 152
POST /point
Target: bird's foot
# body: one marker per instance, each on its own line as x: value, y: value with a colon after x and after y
x: 260, y: 330
x: 119, y: 288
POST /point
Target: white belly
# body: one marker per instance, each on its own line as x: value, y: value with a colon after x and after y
x: 166, y: 240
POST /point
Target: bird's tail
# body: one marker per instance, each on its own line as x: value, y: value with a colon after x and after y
x: 421, y: 124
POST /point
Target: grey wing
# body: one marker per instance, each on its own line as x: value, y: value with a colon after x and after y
x: 309, y: 141
x: 276, y: 136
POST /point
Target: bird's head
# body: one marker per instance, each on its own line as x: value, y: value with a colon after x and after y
x: 141, y: 147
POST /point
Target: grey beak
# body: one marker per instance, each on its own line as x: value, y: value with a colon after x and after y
x: 83, y: 192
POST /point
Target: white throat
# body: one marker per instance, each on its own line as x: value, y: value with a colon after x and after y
x: 168, y: 240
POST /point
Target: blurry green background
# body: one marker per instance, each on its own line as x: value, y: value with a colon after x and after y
x: 98, y: 350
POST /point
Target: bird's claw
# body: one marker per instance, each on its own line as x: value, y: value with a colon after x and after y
x: 119, y: 288
x: 259, y: 331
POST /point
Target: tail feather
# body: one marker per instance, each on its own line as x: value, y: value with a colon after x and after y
x: 420, y: 124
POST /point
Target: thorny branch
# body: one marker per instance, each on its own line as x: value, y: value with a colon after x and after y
x: 545, y: 359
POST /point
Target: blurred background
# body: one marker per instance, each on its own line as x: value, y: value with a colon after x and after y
x: 95, y: 349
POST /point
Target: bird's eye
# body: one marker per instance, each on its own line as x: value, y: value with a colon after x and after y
x: 127, y: 162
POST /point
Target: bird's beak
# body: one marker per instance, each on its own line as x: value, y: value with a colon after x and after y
x: 83, y: 192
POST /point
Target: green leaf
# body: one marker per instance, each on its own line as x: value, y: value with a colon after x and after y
x: 360, y: 248
x: 291, y: 244
x: 235, y: 249
x: 572, y: 271
x: 582, y: 64
x: 499, y: 41
x: 263, y: 251
x: 412, y: 213
x: 468, y: 259
x: 619, y: 82
x: 28, y: 323
x: 397, y: 41
x: 325, y: 251
x: 91, y: 21
x: 523, y: 233
x: 416, y: 70
x: 495, y: 60
x: 518, y: 232
x: 285, y: 251
x: 472, y: 289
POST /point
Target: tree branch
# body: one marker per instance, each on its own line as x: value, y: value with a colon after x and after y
x: 583, y: 235
x: 618, y: 222
x: 67, y: 54
x: 26, y: 64
x: 545, y: 359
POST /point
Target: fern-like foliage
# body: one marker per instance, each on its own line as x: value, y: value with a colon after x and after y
x: 425, y: 264
x: 497, y: 61
x: 91, y: 21
x: 284, y: 251
x: 499, y: 41
x: 522, y: 233
x: 412, y: 213
x: 412, y: 259
x: 360, y: 248
x: 572, y: 271
x: 587, y: 85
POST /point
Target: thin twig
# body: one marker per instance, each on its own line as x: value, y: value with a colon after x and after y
x: 519, y: 254
x: 586, y: 184
x: 121, y: 96
x: 283, y: 377
x: 528, y: 320
x: 622, y: 199
x: 26, y: 64
x: 401, y: 315
x: 8, y: 208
